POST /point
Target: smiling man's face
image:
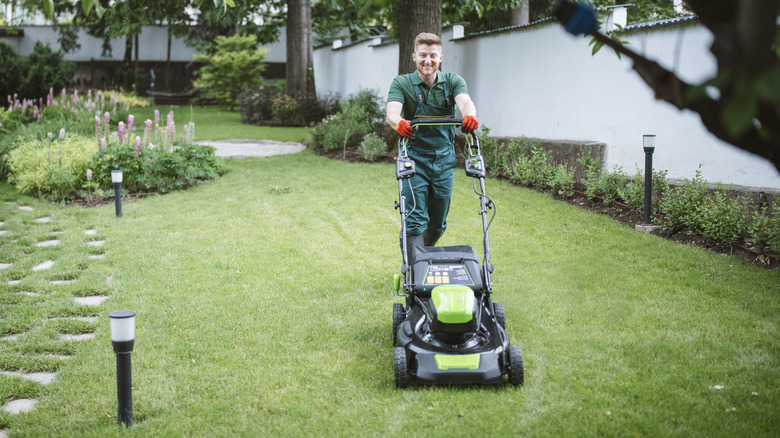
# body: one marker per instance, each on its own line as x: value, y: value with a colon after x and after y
x: 427, y: 58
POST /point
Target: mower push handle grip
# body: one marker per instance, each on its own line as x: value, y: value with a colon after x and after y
x: 452, y: 121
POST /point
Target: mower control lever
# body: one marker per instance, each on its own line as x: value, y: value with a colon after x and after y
x: 436, y: 121
x: 475, y: 167
x: 404, y: 168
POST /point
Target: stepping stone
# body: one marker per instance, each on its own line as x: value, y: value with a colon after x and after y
x: 96, y: 256
x: 25, y: 208
x: 20, y: 405
x: 5, y: 265
x: 58, y: 282
x: 29, y: 294
x: 42, y: 378
x: 76, y: 318
x: 13, y: 282
x: 90, y: 301
x: 3, y: 232
x: 3, y: 433
x: 81, y: 337
x: 2, y: 223
x: 12, y: 337
x: 96, y: 243
x: 109, y: 280
x: 54, y: 233
x: 45, y: 265
x: 43, y: 220
x: 90, y: 232
x: 46, y: 243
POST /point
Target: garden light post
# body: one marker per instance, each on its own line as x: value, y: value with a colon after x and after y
x: 648, y: 141
x: 116, y: 179
x: 122, y: 339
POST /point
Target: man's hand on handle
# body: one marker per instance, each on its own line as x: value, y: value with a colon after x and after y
x: 404, y: 129
x: 470, y: 123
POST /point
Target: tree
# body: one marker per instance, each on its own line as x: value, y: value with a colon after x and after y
x: 741, y: 103
x: 300, y: 83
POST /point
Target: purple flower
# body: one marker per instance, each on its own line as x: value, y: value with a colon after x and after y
x: 107, y: 118
x: 50, y: 135
x: 89, y: 174
x: 62, y: 134
x: 130, y: 120
x: 102, y: 143
x: 63, y: 94
x: 157, y: 117
x: 148, y: 124
x: 121, y: 132
x: 97, y: 123
x: 137, y: 145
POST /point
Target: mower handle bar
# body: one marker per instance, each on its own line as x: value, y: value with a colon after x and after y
x: 448, y: 121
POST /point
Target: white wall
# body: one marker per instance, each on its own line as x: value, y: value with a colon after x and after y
x: 152, y: 45
x: 538, y: 81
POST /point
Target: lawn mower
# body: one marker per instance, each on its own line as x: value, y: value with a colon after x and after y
x: 449, y: 330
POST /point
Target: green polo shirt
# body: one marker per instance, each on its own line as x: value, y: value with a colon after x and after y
x: 402, y: 90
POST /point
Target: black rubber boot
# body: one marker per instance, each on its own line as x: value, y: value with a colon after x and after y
x: 430, y: 238
x: 413, y: 240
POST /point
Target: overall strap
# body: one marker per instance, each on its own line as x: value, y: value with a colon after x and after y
x: 419, y: 94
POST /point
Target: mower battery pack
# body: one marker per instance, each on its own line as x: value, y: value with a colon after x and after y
x: 445, y: 265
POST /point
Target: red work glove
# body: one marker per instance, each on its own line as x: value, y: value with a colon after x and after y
x: 470, y: 123
x: 404, y: 129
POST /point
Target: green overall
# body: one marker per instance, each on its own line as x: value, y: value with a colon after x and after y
x: 432, y: 148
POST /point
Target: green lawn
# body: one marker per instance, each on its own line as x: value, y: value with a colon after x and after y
x: 267, y: 312
x: 213, y: 123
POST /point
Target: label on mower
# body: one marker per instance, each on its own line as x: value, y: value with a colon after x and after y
x: 447, y: 274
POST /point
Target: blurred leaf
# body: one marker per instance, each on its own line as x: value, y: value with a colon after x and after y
x: 48, y: 8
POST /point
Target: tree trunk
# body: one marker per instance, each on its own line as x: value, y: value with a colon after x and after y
x: 168, y: 61
x: 300, y: 84
x: 519, y: 16
x: 413, y: 17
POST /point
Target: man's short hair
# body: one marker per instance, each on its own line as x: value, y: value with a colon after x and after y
x: 429, y: 39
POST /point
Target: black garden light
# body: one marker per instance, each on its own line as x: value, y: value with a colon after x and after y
x: 648, y: 141
x: 122, y: 339
x: 116, y: 179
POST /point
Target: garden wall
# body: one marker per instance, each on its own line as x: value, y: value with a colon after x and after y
x: 540, y: 82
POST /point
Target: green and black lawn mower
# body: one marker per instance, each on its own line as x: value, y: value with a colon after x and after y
x: 449, y: 330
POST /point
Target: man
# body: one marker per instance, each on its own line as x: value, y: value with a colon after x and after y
x: 429, y: 93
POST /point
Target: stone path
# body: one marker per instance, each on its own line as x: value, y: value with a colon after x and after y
x: 249, y: 148
x: 20, y: 406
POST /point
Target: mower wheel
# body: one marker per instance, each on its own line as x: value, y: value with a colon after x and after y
x: 399, y: 364
x: 515, y: 359
x: 500, y: 315
x: 399, y: 314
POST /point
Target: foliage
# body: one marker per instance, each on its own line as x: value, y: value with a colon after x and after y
x: 286, y: 109
x: 359, y: 114
x: 682, y: 205
x: 593, y: 169
x: 50, y: 167
x: 11, y: 73
x: 764, y: 228
x: 372, y: 147
x: 44, y: 69
x: 255, y: 105
x: 724, y: 218
x: 562, y: 181
x: 235, y: 64
x: 611, y: 184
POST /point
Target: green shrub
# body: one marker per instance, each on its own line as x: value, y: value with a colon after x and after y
x: 236, y: 64
x: 51, y: 168
x: 611, y: 184
x: 562, y: 181
x: 11, y: 73
x: 633, y: 193
x: 255, y: 105
x: 286, y: 110
x: 359, y: 114
x: 372, y: 147
x: 723, y: 218
x: 764, y: 229
x: 44, y: 69
x: 592, y: 175
x: 681, y: 206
